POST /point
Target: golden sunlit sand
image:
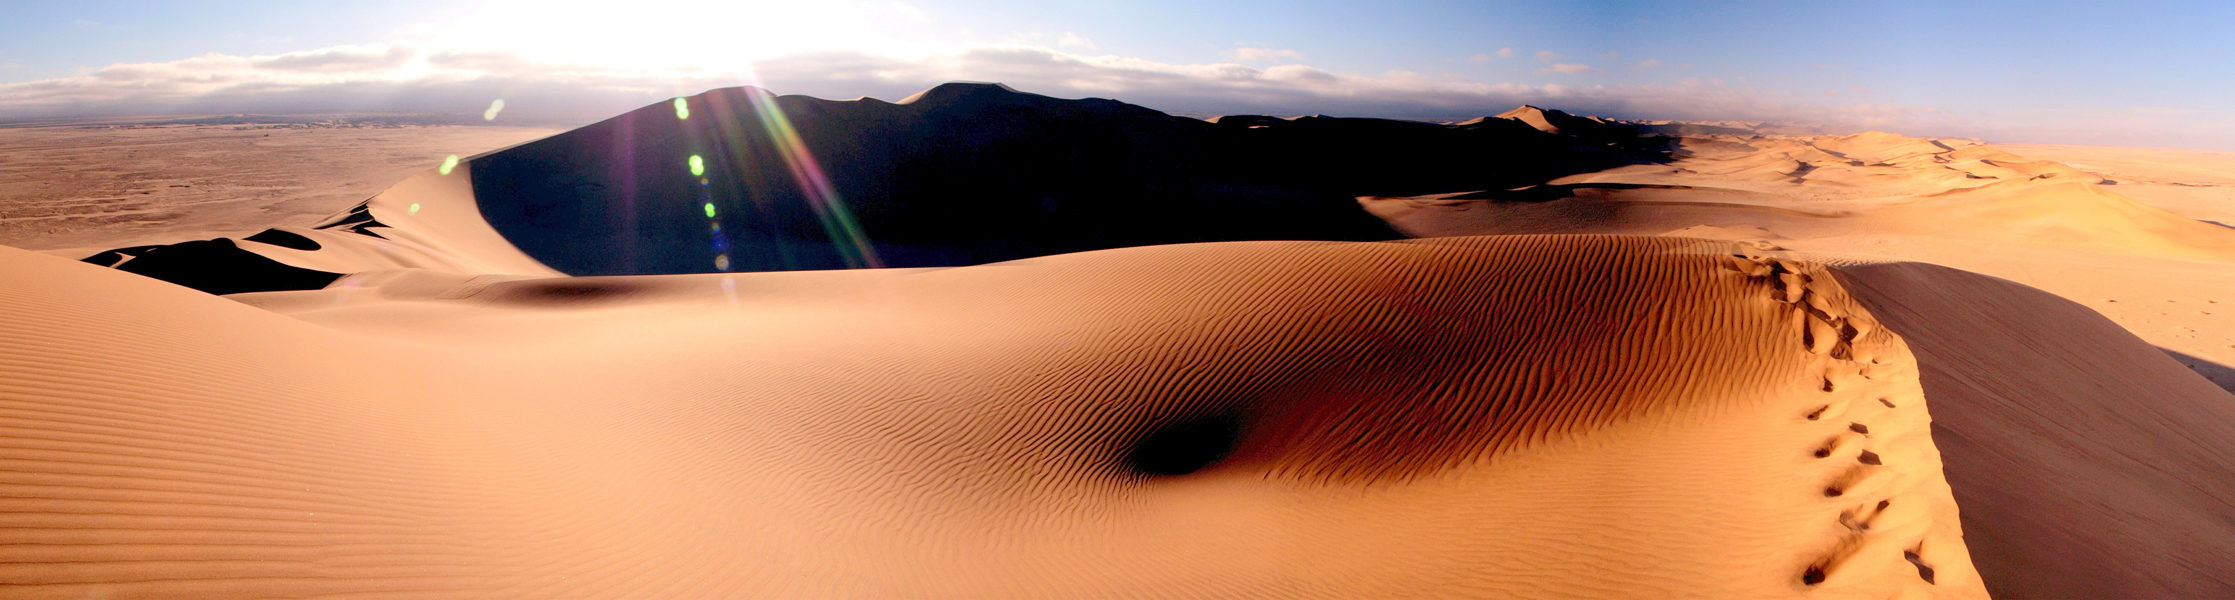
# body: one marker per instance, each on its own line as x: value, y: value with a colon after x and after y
x: 1725, y: 364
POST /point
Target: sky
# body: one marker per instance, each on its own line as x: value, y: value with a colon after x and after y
x: 2048, y: 71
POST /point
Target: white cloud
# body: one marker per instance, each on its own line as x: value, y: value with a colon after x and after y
x: 1646, y: 64
x: 1072, y: 40
x: 1250, y: 54
x: 464, y: 82
x: 1503, y: 53
x: 339, y: 58
x: 1567, y: 69
x: 1548, y: 56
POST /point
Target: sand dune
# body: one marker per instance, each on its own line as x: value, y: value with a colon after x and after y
x: 1553, y: 121
x: 1517, y: 415
x: 2102, y: 473
x: 736, y: 185
x: 2100, y: 432
x: 2160, y: 271
x: 414, y: 398
x: 2198, y: 184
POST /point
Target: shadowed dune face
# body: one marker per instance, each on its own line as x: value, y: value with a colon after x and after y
x: 741, y: 180
x: 1287, y: 419
x: 973, y: 173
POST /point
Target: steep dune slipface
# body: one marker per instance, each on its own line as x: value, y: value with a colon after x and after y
x: 2089, y: 464
x: 742, y: 180
x: 1513, y: 416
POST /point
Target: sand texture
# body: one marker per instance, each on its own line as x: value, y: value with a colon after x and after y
x: 1507, y: 414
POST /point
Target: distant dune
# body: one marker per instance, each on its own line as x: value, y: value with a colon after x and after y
x: 1116, y: 353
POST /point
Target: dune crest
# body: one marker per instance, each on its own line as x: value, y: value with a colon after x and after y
x: 2101, y: 473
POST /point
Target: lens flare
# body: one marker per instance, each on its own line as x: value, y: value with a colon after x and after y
x: 719, y: 241
x: 414, y: 208
x: 452, y: 163
x: 838, y: 221
x: 682, y: 108
x: 494, y: 108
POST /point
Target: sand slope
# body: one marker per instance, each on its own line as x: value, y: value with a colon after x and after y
x: 1534, y: 416
x: 2088, y: 462
x: 2160, y: 273
x: 2101, y: 473
x: 2199, y: 184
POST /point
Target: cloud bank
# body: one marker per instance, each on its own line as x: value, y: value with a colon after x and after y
x: 419, y: 79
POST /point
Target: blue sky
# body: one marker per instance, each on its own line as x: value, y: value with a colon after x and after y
x: 2159, y: 74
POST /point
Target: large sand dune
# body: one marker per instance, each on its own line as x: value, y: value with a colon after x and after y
x: 413, y: 397
x: 1515, y: 415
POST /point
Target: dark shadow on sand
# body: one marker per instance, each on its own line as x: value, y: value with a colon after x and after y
x: 2219, y: 374
x: 215, y: 266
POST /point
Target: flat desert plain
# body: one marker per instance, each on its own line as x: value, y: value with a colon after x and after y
x: 96, y: 186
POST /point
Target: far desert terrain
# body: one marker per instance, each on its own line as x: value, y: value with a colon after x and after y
x: 104, y: 185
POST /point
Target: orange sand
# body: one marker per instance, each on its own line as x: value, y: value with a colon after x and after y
x: 1513, y: 415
